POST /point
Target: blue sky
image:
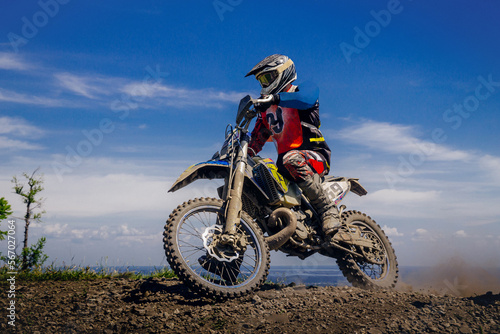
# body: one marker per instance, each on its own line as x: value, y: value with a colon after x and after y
x: 114, y: 100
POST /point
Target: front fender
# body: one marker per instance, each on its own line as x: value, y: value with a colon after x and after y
x: 216, y: 169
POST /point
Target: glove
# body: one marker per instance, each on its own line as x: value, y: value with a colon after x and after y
x: 261, y: 107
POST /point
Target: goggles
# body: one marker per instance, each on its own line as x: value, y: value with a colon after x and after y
x: 267, y: 78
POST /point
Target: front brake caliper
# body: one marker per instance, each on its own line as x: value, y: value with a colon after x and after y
x: 219, y: 245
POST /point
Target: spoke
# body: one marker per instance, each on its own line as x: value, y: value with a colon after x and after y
x: 222, y: 273
x: 252, y: 257
x: 249, y: 264
x: 233, y: 274
x: 199, y: 219
x: 184, y: 243
x: 197, y: 216
x: 251, y: 270
x: 191, y: 233
x: 190, y: 224
x: 208, y: 220
x: 190, y: 244
x: 192, y: 252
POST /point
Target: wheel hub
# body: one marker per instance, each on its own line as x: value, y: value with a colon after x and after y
x: 211, y: 242
x: 375, y: 254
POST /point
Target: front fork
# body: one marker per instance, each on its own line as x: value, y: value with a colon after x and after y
x: 234, y: 203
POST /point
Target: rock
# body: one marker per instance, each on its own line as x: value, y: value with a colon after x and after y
x: 465, y: 330
x: 338, y: 300
x: 375, y: 331
x: 256, y: 299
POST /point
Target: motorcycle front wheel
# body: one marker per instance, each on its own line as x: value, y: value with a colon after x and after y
x: 189, y: 243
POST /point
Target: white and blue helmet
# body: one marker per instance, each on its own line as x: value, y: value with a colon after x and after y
x: 274, y: 73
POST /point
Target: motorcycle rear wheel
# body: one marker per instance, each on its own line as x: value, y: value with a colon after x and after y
x: 361, y: 272
x: 186, y: 238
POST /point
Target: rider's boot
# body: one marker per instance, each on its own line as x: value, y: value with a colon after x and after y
x: 327, y: 210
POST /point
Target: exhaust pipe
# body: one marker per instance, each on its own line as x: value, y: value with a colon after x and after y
x: 289, y: 219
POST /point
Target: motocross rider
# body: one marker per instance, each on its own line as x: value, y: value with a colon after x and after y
x: 291, y: 119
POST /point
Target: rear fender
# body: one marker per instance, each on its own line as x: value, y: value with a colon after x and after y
x: 336, y: 188
x: 357, y: 188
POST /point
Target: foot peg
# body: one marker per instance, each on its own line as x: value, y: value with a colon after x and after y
x: 330, y: 225
x: 343, y: 236
x: 350, y: 237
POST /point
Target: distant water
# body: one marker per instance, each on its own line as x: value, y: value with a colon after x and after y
x: 308, y: 275
x: 314, y: 275
x: 452, y: 282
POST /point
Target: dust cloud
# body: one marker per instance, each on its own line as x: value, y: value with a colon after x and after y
x: 453, y: 277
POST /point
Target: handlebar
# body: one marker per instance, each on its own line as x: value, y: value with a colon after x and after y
x: 245, y: 111
x: 269, y: 98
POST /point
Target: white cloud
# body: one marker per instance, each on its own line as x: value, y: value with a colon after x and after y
x: 14, y: 144
x: 400, y: 197
x: 151, y: 90
x: 421, y: 231
x: 181, y: 97
x: 460, y: 234
x: 94, y: 195
x: 122, y: 234
x: 108, y: 190
x: 10, y: 96
x: 85, y: 86
x: 53, y: 230
x: 144, y: 94
x: 399, y: 139
x: 491, y: 165
x: 19, y: 127
x: 421, y: 234
x: 487, y: 220
x: 392, y: 231
x: 10, y: 61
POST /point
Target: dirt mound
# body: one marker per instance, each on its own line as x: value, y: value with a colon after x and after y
x: 161, y: 305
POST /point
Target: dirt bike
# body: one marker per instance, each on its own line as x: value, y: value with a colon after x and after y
x: 220, y: 247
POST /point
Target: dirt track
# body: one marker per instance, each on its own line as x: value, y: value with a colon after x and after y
x: 160, y: 305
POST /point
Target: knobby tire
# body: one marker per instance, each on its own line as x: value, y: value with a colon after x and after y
x: 353, y: 268
x: 196, y: 281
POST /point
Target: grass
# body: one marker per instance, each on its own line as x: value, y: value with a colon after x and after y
x: 75, y: 273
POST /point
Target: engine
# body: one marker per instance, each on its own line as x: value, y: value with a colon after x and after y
x: 305, y: 234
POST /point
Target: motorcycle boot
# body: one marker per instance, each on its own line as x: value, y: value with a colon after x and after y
x: 327, y: 210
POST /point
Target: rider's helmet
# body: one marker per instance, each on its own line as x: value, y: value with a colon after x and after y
x: 274, y: 73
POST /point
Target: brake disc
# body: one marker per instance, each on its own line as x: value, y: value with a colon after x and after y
x: 375, y: 254
x: 210, y: 242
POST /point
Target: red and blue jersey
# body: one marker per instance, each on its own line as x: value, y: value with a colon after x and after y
x: 293, y: 124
